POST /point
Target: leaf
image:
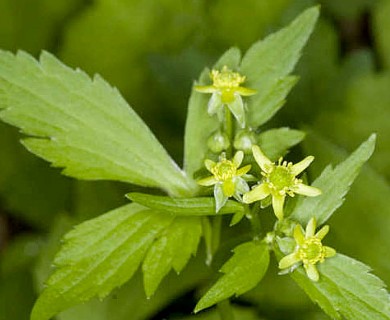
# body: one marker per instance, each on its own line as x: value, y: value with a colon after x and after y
x: 200, y: 125
x: 81, y: 124
x: 242, y: 272
x: 380, y: 25
x: 346, y: 289
x: 184, y: 206
x: 99, y: 255
x: 268, y: 62
x: 276, y: 142
x: 334, y: 184
x: 172, y: 249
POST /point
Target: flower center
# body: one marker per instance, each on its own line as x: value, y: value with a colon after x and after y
x: 226, y: 78
x: 312, y: 251
x: 280, y: 178
x: 224, y: 170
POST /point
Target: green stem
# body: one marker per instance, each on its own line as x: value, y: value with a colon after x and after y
x: 255, y: 222
x: 225, y: 310
x: 229, y: 131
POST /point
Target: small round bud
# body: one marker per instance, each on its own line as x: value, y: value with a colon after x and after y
x: 218, y: 142
x: 244, y: 140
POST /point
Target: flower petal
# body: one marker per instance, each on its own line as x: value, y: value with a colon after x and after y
x: 209, y: 164
x: 311, y: 227
x: 220, y: 198
x: 289, y: 260
x: 205, y: 89
x: 228, y: 187
x: 214, y: 104
x: 307, y: 190
x: 329, y: 252
x: 302, y: 165
x: 206, y: 182
x: 261, y: 159
x: 236, y: 106
x: 323, y: 232
x: 246, y: 91
x: 237, y: 159
x: 277, y: 204
x: 299, y: 235
x: 257, y: 193
x: 241, y: 186
x: 243, y: 170
x: 312, y: 272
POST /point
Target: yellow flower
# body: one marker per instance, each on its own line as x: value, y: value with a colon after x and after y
x: 279, y: 180
x: 227, y: 178
x: 309, y: 249
x: 226, y: 90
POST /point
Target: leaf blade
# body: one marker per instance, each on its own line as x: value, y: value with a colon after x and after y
x: 82, y: 125
x: 99, y: 255
x: 242, y: 272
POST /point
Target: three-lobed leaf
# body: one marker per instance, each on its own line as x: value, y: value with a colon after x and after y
x: 334, y: 184
x: 82, y: 125
x: 98, y: 256
x: 172, y: 249
x: 200, y: 206
x: 346, y: 289
x: 242, y: 272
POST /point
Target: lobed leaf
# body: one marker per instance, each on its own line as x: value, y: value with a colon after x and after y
x: 172, y: 249
x: 242, y: 272
x: 199, y: 124
x: 82, y: 125
x: 346, y: 289
x: 268, y: 63
x: 98, y: 256
x: 276, y: 142
x: 201, y: 206
x: 334, y: 184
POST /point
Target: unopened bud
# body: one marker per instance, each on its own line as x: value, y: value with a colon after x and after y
x: 218, y: 142
x: 244, y: 140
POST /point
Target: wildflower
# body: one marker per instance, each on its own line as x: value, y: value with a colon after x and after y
x: 309, y: 249
x: 227, y: 178
x: 279, y: 180
x: 226, y: 90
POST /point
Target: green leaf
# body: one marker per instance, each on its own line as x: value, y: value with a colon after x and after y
x: 346, y: 289
x: 334, y: 184
x: 200, y: 125
x: 276, y: 142
x: 172, y: 249
x: 81, y: 124
x: 268, y: 62
x: 99, y: 255
x: 381, y: 23
x: 242, y: 272
x: 184, y: 206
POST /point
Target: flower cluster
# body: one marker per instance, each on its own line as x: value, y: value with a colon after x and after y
x: 278, y: 179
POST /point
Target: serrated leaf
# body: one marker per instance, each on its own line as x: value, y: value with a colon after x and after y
x: 276, y: 142
x: 346, y: 289
x: 98, y: 256
x: 334, y: 184
x: 184, y: 206
x: 272, y: 59
x: 172, y: 249
x: 242, y: 272
x: 82, y: 125
x: 199, y: 124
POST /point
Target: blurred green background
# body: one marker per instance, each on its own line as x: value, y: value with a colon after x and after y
x: 152, y: 51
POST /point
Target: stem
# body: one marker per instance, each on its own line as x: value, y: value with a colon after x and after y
x: 229, y: 131
x: 225, y: 310
x: 255, y: 222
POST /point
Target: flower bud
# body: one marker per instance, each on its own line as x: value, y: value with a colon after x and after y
x: 218, y: 142
x: 244, y: 140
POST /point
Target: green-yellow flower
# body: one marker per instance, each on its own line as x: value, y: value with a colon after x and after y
x: 226, y: 90
x: 227, y: 178
x: 309, y: 249
x: 279, y: 180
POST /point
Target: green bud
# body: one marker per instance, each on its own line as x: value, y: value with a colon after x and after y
x: 244, y: 140
x: 218, y: 142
